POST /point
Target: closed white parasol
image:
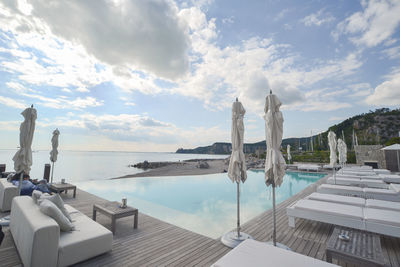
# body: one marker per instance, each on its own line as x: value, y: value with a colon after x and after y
x: 237, y: 170
x: 332, y: 147
x: 23, y: 158
x: 54, y: 151
x: 289, y: 156
x: 274, y: 161
x: 342, y: 148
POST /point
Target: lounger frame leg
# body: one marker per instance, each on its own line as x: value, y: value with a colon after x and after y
x: 292, y: 221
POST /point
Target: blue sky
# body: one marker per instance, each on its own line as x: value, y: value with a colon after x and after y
x: 159, y: 75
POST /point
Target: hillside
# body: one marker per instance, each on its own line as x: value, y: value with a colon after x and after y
x: 374, y: 127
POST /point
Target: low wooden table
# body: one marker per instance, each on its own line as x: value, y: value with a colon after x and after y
x: 363, y: 248
x: 63, y: 187
x: 114, y: 211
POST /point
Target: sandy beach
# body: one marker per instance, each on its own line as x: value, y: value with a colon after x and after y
x: 189, y: 167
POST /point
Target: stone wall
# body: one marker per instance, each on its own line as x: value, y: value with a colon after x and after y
x: 372, y: 153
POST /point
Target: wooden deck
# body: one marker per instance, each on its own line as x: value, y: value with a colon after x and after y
x: 157, y: 243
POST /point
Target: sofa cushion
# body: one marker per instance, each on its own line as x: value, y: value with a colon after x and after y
x: 88, y: 240
x: 57, y: 200
x: 50, y: 209
x: 36, y: 194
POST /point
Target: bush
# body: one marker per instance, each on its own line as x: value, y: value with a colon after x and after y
x: 394, y: 140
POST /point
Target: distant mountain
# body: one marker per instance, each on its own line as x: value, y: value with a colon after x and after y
x: 374, y: 127
x: 223, y: 148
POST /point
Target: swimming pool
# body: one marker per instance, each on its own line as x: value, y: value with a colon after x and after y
x: 205, y: 204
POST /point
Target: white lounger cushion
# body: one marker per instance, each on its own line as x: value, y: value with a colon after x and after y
x: 88, y: 240
x: 329, y: 188
x: 381, y: 221
x: 382, y: 204
x: 358, y: 182
x: 390, y: 178
x: 355, y: 201
x: 382, y: 216
x: 259, y: 254
x: 336, y: 209
x: 381, y: 171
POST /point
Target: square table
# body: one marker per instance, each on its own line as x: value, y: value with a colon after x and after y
x: 58, y: 187
x: 363, y: 248
x: 114, y: 211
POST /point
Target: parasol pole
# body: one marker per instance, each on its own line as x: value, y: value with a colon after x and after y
x: 238, y: 210
x: 52, y: 170
x: 20, y: 182
x: 273, y: 211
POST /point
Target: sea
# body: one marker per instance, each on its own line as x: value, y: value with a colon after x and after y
x: 75, y: 166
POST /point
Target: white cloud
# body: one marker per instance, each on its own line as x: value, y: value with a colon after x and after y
x: 318, y: 18
x: 393, y: 52
x: 217, y: 76
x: 386, y: 93
x: 57, y: 102
x: 12, y: 102
x: 372, y: 26
x: 229, y: 20
x: 140, y: 129
x: 281, y: 14
x: 144, y: 34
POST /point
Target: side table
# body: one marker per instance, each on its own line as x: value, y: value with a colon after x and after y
x: 363, y: 248
x: 114, y: 211
x: 63, y: 187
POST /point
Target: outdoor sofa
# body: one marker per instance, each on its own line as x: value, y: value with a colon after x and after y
x: 40, y: 242
x: 7, y: 192
x: 259, y: 254
x: 381, y: 221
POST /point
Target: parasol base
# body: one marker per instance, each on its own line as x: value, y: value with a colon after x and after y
x: 279, y: 245
x: 231, y: 239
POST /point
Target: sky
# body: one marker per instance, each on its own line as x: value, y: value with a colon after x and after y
x: 154, y: 75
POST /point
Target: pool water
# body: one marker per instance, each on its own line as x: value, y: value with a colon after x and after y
x: 205, y: 204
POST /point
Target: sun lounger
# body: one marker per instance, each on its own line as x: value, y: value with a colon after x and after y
x: 381, y: 171
x: 390, y: 178
x: 308, y: 167
x: 345, y: 175
x: 390, y: 194
x: 372, y: 183
x: 379, y: 221
x: 356, y: 201
x: 256, y: 254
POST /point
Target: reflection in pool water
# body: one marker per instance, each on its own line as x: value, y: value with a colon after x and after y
x: 205, y: 204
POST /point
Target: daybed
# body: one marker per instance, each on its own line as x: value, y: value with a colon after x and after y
x: 259, y: 254
x: 40, y: 242
x: 390, y: 194
x: 7, y: 192
x: 380, y: 221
